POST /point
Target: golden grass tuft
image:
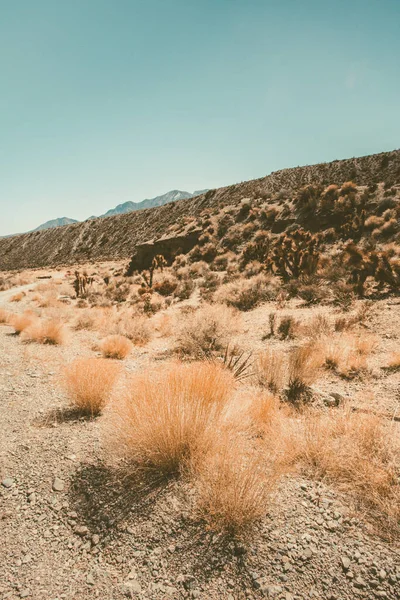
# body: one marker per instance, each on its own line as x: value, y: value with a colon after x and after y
x: 304, y: 363
x: 358, y: 452
x: 206, y: 331
x: 271, y: 369
x: 51, y: 331
x: 21, y: 322
x: 233, y: 485
x: 115, y: 346
x: 17, y: 297
x: 136, y: 328
x: 394, y: 362
x: 4, y: 316
x: 165, y: 418
x: 89, y: 382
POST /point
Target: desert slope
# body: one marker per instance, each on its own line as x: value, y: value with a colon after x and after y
x: 115, y: 237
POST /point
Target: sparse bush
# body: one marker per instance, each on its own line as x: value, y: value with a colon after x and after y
x: 303, y: 366
x: 247, y: 294
x: 21, y: 322
x: 287, y: 327
x: 89, y: 382
x: 4, y: 316
x: 17, y: 297
x: 271, y: 370
x: 206, y: 331
x: 166, y: 285
x: 166, y: 420
x: 51, y: 331
x: 360, y: 454
x: 136, y: 328
x: 115, y: 346
x: 233, y: 486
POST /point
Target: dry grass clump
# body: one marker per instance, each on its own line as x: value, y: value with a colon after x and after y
x: 303, y: 368
x: 271, y: 369
x: 88, y: 319
x: 17, y: 297
x: 245, y: 294
x: 115, y: 346
x: 206, y: 331
x: 89, y: 382
x: 394, y: 363
x: 358, y: 452
x: 233, y: 485
x: 21, y: 322
x: 137, y: 328
x: 166, y: 419
x: 346, y: 354
x: 4, y: 316
x: 51, y: 331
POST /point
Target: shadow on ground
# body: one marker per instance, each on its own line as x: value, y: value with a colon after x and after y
x: 57, y: 416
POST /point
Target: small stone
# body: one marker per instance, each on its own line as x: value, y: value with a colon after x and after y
x: 382, y: 574
x: 58, y: 485
x: 131, y: 588
x: 90, y: 579
x: 95, y: 539
x: 359, y: 582
x: 24, y: 594
x: 7, y: 482
x: 345, y: 563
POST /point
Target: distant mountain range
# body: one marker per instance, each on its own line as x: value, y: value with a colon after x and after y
x: 56, y: 223
x: 126, y: 207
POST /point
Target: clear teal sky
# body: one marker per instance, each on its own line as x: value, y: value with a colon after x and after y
x: 104, y: 101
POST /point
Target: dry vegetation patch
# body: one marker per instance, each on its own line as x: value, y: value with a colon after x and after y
x: 165, y: 418
x: 89, y: 382
x: 51, y: 331
x: 115, y: 346
x: 206, y: 331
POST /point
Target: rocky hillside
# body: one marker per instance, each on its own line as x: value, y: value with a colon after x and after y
x: 117, y: 236
x: 61, y: 222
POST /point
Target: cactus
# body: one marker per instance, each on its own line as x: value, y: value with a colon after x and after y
x: 294, y: 254
x: 364, y: 264
x: 158, y: 262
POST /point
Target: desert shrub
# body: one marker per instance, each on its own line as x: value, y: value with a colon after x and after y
x: 348, y: 188
x: 360, y: 454
x: 21, y: 322
x: 287, y: 327
x: 136, y: 328
x: 318, y: 326
x: 247, y: 294
x: 225, y: 223
x: 164, y: 420
x: 258, y: 249
x: 115, y: 346
x: 17, y: 297
x: 4, y: 316
x: 294, y: 254
x: 166, y: 285
x: 86, y: 319
x: 51, y: 331
x: 303, y: 367
x: 208, y: 284
x: 233, y: 486
x: 206, y: 331
x: 271, y: 369
x: 373, y: 222
x: 343, y: 295
x: 89, y: 382
x: 184, y: 289
x: 205, y: 253
x: 221, y: 262
x: 198, y: 269
x: 312, y: 293
x: 118, y: 291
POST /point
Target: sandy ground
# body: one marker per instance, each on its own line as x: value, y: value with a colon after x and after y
x: 71, y: 530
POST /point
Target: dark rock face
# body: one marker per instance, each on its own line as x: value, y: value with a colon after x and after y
x: 169, y: 247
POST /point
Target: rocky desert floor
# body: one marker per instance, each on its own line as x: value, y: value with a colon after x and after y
x: 72, y: 529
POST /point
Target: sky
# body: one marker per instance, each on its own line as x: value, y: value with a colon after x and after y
x: 105, y: 101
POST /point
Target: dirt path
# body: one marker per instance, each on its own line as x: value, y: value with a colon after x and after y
x: 70, y: 530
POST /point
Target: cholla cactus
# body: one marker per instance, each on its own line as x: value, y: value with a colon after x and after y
x: 370, y: 264
x: 294, y: 254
